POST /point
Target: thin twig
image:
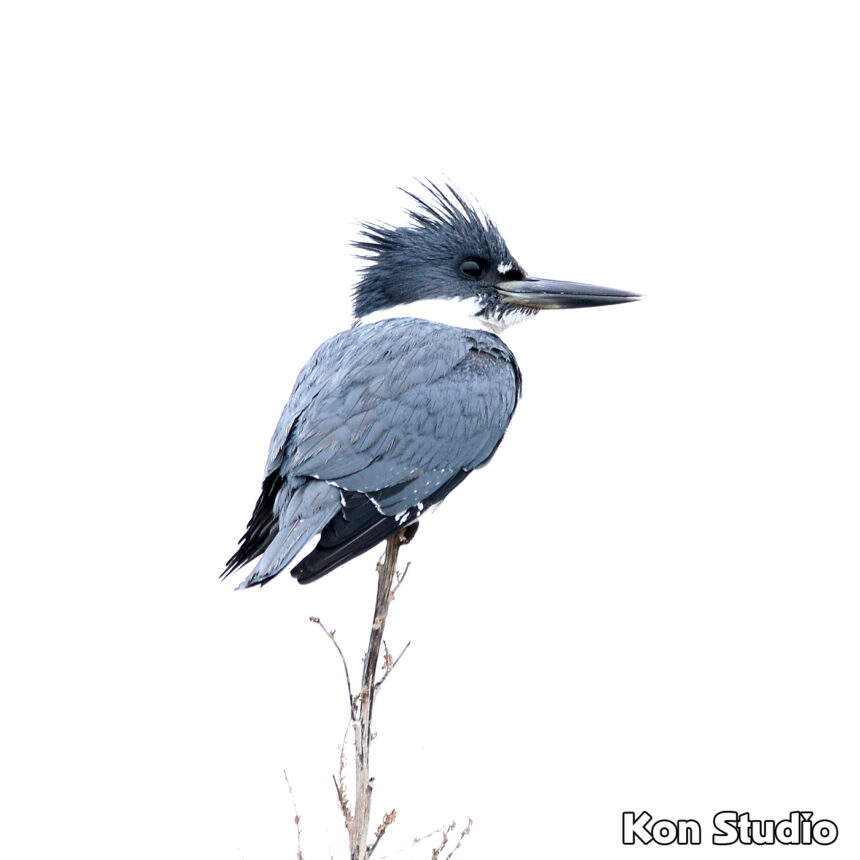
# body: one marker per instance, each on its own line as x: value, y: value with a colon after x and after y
x: 388, y: 818
x: 463, y: 834
x: 340, y: 784
x: 445, y: 833
x: 389, y: 664
x: 415, y: 841
x: 296, y: 818
x: 418, y: 839
x: 330, y: 634
x: 342, y: 801
x: 400, y: 576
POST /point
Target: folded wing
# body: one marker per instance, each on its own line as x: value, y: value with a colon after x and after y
x: 384, y: 421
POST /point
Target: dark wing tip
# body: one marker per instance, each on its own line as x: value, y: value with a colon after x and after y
x: 261, y: 529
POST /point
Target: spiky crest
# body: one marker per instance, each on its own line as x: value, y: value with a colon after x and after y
x: 405, y: 262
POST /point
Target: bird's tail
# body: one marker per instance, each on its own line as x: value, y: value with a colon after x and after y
x: 306, y: 513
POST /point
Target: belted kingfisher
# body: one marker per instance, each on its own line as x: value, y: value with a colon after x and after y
x: 391, y: 415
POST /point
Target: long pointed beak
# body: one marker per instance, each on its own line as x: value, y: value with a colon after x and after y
x: 542, y: 293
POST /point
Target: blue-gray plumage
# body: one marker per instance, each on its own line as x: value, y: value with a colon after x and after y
x: 389, y: 416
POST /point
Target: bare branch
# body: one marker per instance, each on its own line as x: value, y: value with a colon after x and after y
x: 388, y: 818
x: 361, y: 718
x: 446, y: 831
x: 343, y: 801
x: 389, y: 664
x: 417, y: 839
x: 296, y: 817
x: 340, y: 784
x: 463, y: 834
x: 330, y: 634
x: 399, y: 577
x: 386, y: 569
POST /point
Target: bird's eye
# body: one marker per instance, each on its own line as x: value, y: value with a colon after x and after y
x: 472, y: 268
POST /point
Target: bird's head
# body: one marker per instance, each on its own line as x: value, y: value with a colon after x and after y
x: 452, y: 257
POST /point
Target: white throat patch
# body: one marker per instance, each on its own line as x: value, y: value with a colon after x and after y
x: 455, y: 312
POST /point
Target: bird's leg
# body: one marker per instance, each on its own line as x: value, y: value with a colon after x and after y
x: 409, y: 532
x: 362, y: 726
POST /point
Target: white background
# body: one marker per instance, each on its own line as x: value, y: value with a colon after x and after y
x: 647, y: 601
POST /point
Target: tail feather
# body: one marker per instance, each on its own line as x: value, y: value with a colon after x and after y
x: 306, y: 514
x: 262, y: 527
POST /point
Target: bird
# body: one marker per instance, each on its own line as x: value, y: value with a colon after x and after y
x: 392, y: 414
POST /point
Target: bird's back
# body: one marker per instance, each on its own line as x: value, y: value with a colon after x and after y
x: 384, y: 421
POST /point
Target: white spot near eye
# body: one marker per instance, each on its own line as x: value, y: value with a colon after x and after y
x: 504, y: 268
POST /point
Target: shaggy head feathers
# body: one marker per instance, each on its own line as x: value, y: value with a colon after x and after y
x: 420, y: 260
